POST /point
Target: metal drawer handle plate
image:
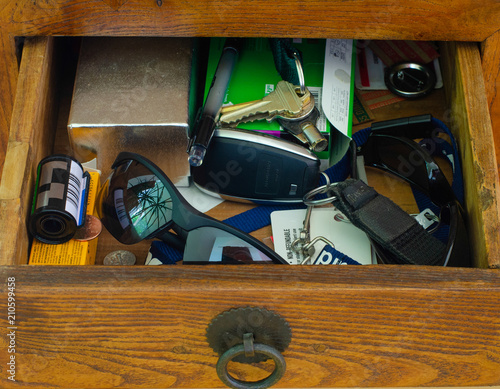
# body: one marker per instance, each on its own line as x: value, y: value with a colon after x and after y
x: 249, y: 335
x: 271, y: 352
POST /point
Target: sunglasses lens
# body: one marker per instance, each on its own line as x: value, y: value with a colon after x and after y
x: 136, y: 203
x: 214, y: 245
x: 458, y: 243
x: 409, y: 161
x: 404, y: 160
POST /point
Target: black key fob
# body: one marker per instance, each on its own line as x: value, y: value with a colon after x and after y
x: 243, y: 165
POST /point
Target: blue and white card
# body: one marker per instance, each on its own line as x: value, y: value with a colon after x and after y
x: 327, y: 222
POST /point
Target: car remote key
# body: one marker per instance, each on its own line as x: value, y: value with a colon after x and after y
x: 243, y: 165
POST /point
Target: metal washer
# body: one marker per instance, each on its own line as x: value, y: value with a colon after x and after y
x: 410, y: 80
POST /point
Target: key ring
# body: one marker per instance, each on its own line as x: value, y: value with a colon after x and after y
x: 300, y: 72
x: 308, y: 198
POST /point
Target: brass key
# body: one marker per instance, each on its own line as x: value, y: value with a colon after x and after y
x: 285, y: 101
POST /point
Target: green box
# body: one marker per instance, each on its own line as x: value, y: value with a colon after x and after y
x: 255, y: 76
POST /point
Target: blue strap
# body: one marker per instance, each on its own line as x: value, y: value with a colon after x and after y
x: 331, y: 256
x: 258, y: 217
x: 166, y: 254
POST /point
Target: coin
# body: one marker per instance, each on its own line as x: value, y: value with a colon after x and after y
x: 90, y: 230
x: 120, y: 258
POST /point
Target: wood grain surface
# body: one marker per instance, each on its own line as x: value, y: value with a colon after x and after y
x: 372, y: 19
x: 356, y: 326
x: 490, y: 51
x: 469, y: 118
x: 8, y: 80
x: 31, y: 138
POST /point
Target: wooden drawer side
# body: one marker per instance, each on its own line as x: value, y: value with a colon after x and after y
x: 470, y: 121
x: 30, y: 139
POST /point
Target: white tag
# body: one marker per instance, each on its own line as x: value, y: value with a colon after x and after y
x: 426, y: 218
x: 327, y: 222
x: 336, y: 96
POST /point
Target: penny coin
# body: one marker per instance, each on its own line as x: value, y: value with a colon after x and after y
x: 90, y: 230
x: 119, y: 258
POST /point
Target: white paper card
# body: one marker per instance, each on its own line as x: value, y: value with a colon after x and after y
x: 336, y: 96
x: 199, y: 200
x: 326, y: 222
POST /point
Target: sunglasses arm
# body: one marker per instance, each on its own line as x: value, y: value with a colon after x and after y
x: 173, y: 240
x: 413, y: 127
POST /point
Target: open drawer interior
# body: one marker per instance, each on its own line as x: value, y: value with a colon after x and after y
x: 39, y: 128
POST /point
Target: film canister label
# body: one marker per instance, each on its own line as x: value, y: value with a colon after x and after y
x: 60, y: 199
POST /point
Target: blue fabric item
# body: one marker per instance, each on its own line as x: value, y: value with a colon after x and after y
x: 457, y: 185
x: 338, y: 172
x: 257, y: 217
x: 331, y: 256
x: 164, y: 253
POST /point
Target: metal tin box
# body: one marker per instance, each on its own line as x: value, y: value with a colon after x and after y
x: 134, y: 94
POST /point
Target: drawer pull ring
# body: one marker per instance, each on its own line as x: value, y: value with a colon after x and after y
x: 249, y: 335
x: 271, y: 352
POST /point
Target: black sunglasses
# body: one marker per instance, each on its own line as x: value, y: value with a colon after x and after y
x: 391, y: 148
x: 138, y: 201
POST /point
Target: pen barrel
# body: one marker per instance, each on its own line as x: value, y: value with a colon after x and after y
x: 205, y: 130
x: 217, y: 92
x: 205, y: 127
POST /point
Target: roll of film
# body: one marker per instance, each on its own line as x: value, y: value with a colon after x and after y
x: 60, y: 199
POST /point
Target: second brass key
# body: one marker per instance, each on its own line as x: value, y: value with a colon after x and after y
x: 284, y: 101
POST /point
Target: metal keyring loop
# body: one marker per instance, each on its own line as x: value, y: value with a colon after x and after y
x: 300, y: 72
x: 271, y: 352
x: 308, y: 197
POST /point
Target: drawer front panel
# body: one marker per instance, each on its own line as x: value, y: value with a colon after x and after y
x: 354, y: 327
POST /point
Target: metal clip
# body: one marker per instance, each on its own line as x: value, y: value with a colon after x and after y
x: 304, y: 238
x: 303, y: 244
x: 426, y: 218
x: 309, y: 248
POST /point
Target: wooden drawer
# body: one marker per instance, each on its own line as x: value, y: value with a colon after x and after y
x: 104, y: 327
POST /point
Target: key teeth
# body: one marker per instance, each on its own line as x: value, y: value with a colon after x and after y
x: 283, y: 96
x: 236, y: 115
x: 251, y: 117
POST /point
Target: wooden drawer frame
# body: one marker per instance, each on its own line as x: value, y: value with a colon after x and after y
x: 141, y: 327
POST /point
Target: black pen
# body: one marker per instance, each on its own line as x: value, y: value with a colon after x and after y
x: 205, y: 127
